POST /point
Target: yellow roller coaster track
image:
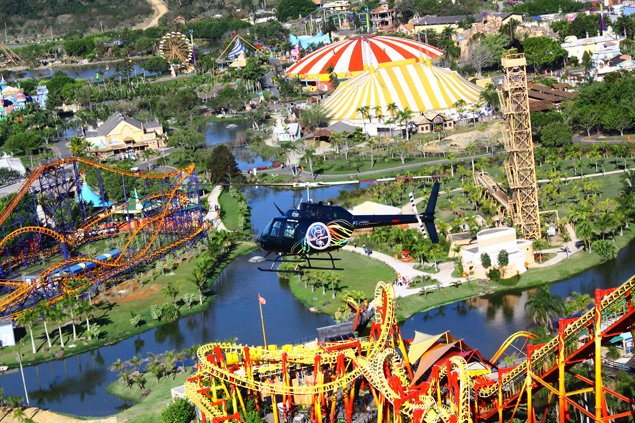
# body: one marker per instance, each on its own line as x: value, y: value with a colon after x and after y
x: 305, y: 373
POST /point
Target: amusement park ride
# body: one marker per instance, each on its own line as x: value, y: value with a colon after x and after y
x: 44, y: 222
x: 315, y: 228
x: 428, y: 379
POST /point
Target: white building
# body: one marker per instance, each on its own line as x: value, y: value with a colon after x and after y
x: 12, y: 163
x: 286, y: 131
x: 492, y: 241
x: 7, y: 337
x: 602, y: 43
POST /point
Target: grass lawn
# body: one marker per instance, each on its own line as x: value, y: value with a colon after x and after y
x: 113, y: 315
x: 229, y: 210
x: 149, y: 409
x: 360, y: 274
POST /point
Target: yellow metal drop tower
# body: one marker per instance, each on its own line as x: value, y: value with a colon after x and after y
x: 520, y: 165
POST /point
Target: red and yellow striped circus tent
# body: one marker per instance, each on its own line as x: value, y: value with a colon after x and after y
x: 348, y: 57
x: 416, y: 85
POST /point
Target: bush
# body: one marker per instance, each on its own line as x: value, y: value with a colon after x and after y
x: 95, y: 331
x: 605, y: 249
x: 178, y: 411
x: 169, y: 312
x: 494, y: 274
x: 156, y: 311
x: 135, y: 320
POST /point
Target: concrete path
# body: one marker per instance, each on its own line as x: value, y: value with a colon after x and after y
x: 575, y: 245
x: 407, y: 269
x: 212, y: 216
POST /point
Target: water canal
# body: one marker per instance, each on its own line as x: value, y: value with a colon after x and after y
x: 78, y: 384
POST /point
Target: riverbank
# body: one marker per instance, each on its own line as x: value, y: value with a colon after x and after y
x: 419, y: 300
x: 114, y: 314
x: 156, y: 395
x: 360, y: 275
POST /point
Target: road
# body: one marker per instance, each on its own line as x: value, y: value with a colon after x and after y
x: 308, y: 175
x: 160, y: 8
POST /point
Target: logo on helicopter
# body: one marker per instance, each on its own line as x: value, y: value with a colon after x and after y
x: 318, y: 236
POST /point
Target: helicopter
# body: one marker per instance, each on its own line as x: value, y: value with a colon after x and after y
x: 318, y: 228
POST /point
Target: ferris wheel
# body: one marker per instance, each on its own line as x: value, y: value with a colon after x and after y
x: 176, y: 49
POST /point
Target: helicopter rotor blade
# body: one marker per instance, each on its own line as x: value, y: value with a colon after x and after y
x: 278, y: 208
x: 414, y: 209
x: 318, y: 184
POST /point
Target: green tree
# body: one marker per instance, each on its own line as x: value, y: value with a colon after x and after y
x: 27, y: 318
x: 199, y: 279
x: 156, y: 64
x: 314, y: 117
x: 486, y: 260
x: 587, y: 61
x: 253, y: 70
x: 503, y: 258
x: 222, y: 165
x: 58, y: 316
x: 179, y: 410
x: 544, y: 307
x: 543, y: 52
x: 292, y: 9
x: 556, y: 134
x: 171, y: 290
x: 42, y: 310
x: 605, y: 249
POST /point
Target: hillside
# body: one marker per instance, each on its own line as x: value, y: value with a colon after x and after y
x: 35, y: 18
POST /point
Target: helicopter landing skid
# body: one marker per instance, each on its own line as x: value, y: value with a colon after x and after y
x: 300, y: 269
x: 281, y: 259
x: 330, y: 258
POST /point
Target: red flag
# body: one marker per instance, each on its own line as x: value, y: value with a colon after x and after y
x: 262, y: 300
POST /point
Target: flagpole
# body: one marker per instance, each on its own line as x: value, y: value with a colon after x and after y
x: 262, y: 321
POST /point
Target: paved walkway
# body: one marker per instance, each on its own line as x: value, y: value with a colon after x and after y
x: 407, y: 269
x: 575, y: 245
x: 212, y: 216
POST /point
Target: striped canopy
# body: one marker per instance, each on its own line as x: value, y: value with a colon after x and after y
x: 238, y: 48
x: 348, y: 57
x: 409, y: 84
x: 241, y: 62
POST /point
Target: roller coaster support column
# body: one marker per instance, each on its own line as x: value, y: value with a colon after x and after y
x: 64, y: 251
x: 530, y: 406
x: 563, y: 412
x: 597, y: 358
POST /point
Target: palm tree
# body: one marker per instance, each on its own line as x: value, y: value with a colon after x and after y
x: 404, y: 118
x: 58, y: 316
x: 27, y: 318
x: 581, y: 302
x: 451, y: 157
x: 43, y: 311
x: 199, y: 279
x: 136, y: 361
x: 365, y: 112
x: 544, y: 307
x: 335, y: 279
x: 378, y: 112
x: 604, y: 222
x: 392, y: 108
x: 86, y: 309
x: 171, y: 290
x: 566, y: 239
x: 117, y: 366
x: 69, y: 303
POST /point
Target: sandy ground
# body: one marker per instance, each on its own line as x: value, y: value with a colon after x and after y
x: 43, y: 416
x: 160, y: 9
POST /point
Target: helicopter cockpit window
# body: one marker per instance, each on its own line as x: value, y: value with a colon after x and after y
x: 267, y: 229
x: 289, y: 230
x: 275, y: 229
